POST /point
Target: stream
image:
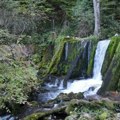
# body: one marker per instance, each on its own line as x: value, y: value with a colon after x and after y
x: 88, y: 86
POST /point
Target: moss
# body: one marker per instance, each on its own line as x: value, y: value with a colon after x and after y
x: 108, y: 104
x: 56, y: 59
x: 34, y: 116
x: 71, y: 106
x: 110, y: 53
x: 114, y: 82
x: 111, y: 66
x: 43, y: 115
x: 58, y: 64
x: 91, y: 62
x: 34, y: 104
x: 103, y: 116
x: 91, y: 110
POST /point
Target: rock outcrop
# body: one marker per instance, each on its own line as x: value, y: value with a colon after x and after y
x: 111, y: 67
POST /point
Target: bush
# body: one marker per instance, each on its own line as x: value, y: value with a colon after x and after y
x: 16, y: 81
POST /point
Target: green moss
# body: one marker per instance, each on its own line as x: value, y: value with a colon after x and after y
x: 114, y: 82
x: 34, y: 116
x: 111, y: 66
x: 44, y: 115
x: 110, y: 53
x: 91, y: 110
x: 56, y: 59
x: 103, y: 116
x: 91, y: 62
x: 70, y: 108
x: 59, y: 65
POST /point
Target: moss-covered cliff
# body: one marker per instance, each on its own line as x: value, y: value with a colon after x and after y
x: 67, y: 56
x: 111, y: 66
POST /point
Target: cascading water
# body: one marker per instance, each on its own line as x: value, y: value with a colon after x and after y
x: 88, y: 86
x: 96, y: 81
x: 66, y: 51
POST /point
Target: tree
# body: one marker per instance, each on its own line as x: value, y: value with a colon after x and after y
x: 83, y: 21
x: 96, y: 4
x: 110, y: 17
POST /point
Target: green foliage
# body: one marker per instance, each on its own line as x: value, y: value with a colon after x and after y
x: 16, y: 81
x: 110, y: 17
x: 83, y: 18
x: 6, y: 37
x: 29, y: 16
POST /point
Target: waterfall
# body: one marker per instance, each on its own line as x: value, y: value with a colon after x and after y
x: 61, y: 84
x: 99, y: 58
x: 91, y: 86
x: 66, y: 51
x: 88, y: 86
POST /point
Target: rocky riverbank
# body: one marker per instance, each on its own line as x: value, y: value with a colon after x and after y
x: 75, y: 107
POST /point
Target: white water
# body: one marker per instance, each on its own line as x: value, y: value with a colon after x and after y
x: 96, y: 81
x: 88, y: 86
x: 66, y: 51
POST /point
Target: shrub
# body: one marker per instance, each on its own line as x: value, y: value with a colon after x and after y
x: 16, y: 81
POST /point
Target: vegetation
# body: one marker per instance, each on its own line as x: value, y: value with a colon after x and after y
x: 16, y: 81
x: 111, y: 67
x: 94, y: 110
x: 48, y: 25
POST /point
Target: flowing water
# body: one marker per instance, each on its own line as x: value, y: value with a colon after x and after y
x: 66, y: 51
x: 95, y: 82
x: 88, y: 86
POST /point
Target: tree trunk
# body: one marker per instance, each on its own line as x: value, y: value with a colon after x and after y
x: 96, y: 4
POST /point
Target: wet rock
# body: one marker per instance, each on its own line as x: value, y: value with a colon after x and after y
x: 72, y: 117
x: 42, y: 115
x: 67, y: 97
x: 92, y: 110
x: 111, y: 67
x: 73, y: 103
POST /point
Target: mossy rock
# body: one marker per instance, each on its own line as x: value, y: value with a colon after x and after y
x: 61, y: 64
x: 94, y: 110
x: 110, y: 53
x: 103, y: 116
x: 70, y: 108
x: 111, y: 67
x: 43, y: 115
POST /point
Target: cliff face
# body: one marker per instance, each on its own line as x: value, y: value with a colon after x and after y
x: 111, y: 67
x: 73, y: 57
